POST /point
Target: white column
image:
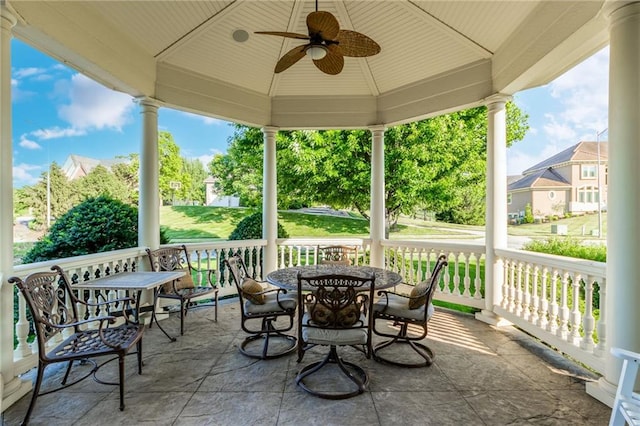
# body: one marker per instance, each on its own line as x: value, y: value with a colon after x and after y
x: 496, y: 205
x: 377, y: 213
x: 12, y: 387
x: 622, y: 314
x: 270, y: 201
x: 149, y: 198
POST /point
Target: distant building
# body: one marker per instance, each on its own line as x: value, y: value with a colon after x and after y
x: 212, y: 198
x: 76, y: 166
x: 564, y: 183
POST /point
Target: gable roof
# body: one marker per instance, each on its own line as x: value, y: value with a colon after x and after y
x: 541, y: 178
x: 74, y: 162
x: 580, y: 152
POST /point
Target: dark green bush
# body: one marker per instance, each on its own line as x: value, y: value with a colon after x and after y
x: 250, y: 228
x: 94, y: 226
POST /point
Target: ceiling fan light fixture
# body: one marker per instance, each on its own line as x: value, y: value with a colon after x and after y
x: 316, y: 52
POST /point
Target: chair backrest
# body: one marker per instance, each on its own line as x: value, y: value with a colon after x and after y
x: 51, y: 303
x: 436, y: 273
x: 336, y: 255
x: 169, y: 258
x: 336, y: 301
x: 237, y: 271
x: 626, y: 405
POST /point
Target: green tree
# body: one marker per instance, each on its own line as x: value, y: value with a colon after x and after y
x: 170, y: 167
x: 100, y: 181
x: 127, y: 173
x: 61, y: 196
x: 437, y: 164
x: 193, y: 188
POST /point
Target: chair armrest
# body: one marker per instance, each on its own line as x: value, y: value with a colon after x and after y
x: 210, y: 274
x: 110, y: 319
x: 625, y: 354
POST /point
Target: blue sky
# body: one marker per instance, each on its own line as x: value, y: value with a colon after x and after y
x: 57, y: 112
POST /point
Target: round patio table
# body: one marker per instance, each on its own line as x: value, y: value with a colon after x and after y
x: 287, y: 278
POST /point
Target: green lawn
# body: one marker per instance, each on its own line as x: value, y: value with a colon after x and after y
x: 201, y: 223
x: 574, y: 224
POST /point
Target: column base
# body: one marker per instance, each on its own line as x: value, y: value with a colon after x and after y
x: 13, y: 391
x: 492, y: 319
x: 602, y: 390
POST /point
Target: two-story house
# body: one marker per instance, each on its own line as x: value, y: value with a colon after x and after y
x: 572, y: 181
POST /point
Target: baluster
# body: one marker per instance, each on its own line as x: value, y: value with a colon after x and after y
x: 306, y: 255
x: 477, y: 280
x: 467, y: 277
x: 410, y: 274
x: 553, y: 314
x: 601, y: 326
x: 588, y: 321
x: 512, y: 286
x: 518, y: 289
x: 505, y: 283
x: 281, y: 248
x: 575, y: 313
x: 290, y: 256
x: 563, y: 332
x: 526, y: 300
x: 446, y: 277
x: 535, y: 317
x: 544, y: 302
x: 22, y: 330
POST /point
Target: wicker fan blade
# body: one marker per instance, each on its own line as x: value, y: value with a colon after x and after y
x: 332, y: 63
x: 323, y: 24
x: 284, y: 34
x: 290, y: 58
x: 356, y: 44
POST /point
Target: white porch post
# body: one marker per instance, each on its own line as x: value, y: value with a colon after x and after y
x: 377, y: 213
x: 12, y: 387
x: 270, y: 200
x: 622, y: 316
x: 496, y: 205
x: 149, y: 199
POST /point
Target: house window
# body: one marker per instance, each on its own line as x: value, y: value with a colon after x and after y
x: 589, y: 171
x: 552, y: 195
x: 509, y: 197
x: 588, y: 194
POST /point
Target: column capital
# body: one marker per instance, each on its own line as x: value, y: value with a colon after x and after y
x: 377, y: 128
x: 497, y: 100
x: 148, y: 102
x: 7, y: 16
x: 270, y: 130
x: 620, y: 9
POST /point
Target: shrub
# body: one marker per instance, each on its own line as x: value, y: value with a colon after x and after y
x: 528, y: 214
x: 250, y: 228
x: 96, y: 225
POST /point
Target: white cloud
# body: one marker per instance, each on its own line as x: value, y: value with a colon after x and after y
x: 93, y: 106
x: 205, y: 159
x: 28, y: 143
x: 26, y: 174
x: 558, y: 131
x: 583, y: 92
x: 57, y: 132
x: 28, y: 72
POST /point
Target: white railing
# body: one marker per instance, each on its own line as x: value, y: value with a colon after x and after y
x: 461, y: 282
x: 85, y: 268
x: 557, y: 299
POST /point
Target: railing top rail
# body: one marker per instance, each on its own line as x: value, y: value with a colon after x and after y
x: 590, y: 267
x: 437, y: 244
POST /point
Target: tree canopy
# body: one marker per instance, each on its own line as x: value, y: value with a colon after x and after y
x: 437, y: 164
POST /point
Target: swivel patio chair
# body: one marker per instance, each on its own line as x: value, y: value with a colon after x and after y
x: 184, y: 290
x: 405, y: 311
x: 336, y: 255
x: 64, y: 336
x: 262, y: 304
x: 334, y: 313
x: 626, y: 406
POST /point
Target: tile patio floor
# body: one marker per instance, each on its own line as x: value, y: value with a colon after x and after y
x: 481, y: 376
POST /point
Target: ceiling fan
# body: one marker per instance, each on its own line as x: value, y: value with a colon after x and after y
x: 327, y: 45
